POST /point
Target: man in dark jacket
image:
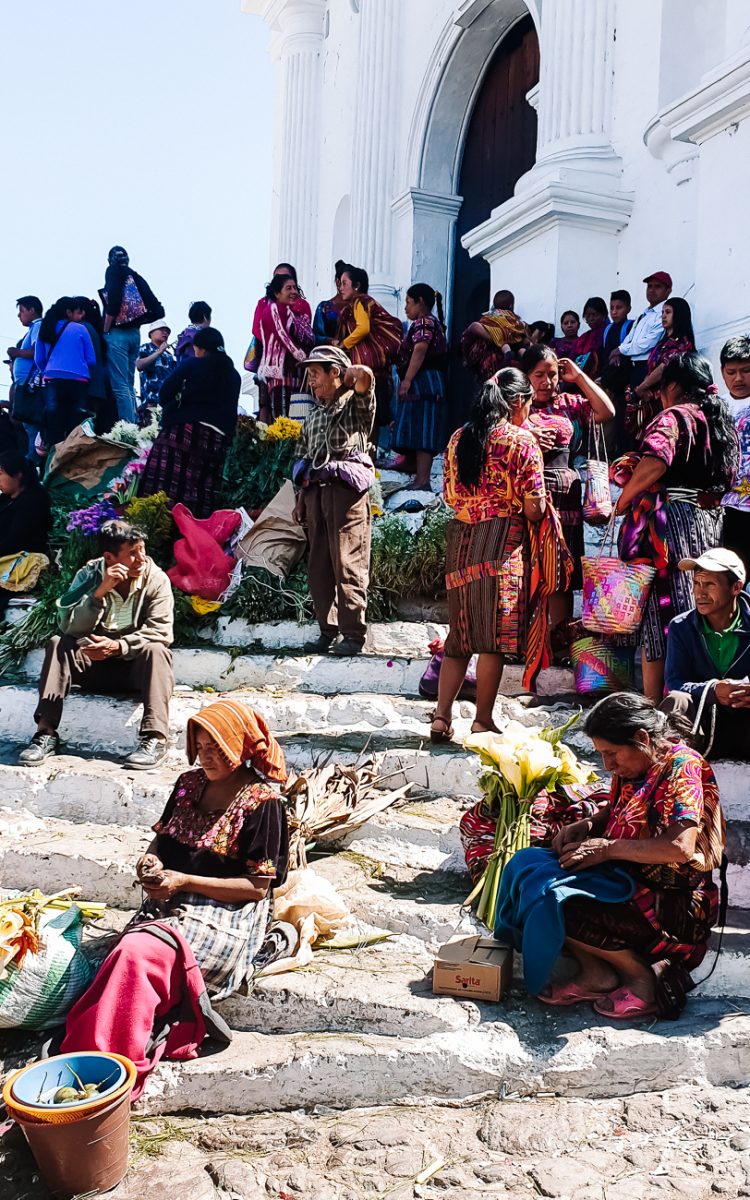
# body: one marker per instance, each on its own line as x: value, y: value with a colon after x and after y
x: 708, y: 656
x: 128, y: 303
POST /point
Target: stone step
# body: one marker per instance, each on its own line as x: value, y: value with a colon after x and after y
x: 518, y: 1048
x: 388, y: 672
x: 409, y: 902
x: 108, y: 725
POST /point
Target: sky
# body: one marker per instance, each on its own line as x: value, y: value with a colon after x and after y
x: 143, y: 123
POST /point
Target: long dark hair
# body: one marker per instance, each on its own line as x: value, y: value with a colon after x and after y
x: 491, y: 406
x: 429, y: 297
x: 620, y: 718
x: 693, y: 374
x: 56, y: 312
x: 92, y: 311
x: 14, y: 463
x: 212, y: 341
x: 682, y: 319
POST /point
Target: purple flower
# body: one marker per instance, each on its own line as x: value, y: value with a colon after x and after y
x: 89, y: 521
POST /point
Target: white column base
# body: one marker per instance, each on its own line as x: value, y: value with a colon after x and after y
x: 555, y: 241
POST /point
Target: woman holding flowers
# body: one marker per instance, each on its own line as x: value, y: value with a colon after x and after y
x: 663, y: 825
x: 494, y: 482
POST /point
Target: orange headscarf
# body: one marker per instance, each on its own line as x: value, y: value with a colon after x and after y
x: 240, y: 733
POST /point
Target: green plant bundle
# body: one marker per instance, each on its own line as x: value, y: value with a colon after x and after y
x: 405, y: 566
x: 256, y: 467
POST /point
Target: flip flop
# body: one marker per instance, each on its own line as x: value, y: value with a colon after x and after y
x: 626, y: 1006
x: 567, y: 994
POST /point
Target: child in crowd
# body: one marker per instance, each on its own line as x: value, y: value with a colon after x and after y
x: 492, y: 342
x: 614, y: 374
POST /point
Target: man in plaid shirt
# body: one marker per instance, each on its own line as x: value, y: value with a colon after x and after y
x: 333, y: 474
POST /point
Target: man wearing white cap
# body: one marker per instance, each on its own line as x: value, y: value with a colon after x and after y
x: 708, y: 656
x: 155, y: 361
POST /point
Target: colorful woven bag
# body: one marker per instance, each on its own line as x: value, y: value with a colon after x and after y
x: 614, y: 592
x: 601, y: 668
x: 597, y: 497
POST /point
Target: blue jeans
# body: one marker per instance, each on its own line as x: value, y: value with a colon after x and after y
x: 65, y: 406
x: 122, y: 347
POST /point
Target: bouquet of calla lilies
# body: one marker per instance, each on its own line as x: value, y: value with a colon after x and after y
x: 520, y: 762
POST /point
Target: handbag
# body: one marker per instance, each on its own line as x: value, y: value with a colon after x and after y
x: 614, y: 592
x: 253, y: 356
x: 600, y: 668
x: 428, y: 684
x: 597, y: 498
x: 28, y: 400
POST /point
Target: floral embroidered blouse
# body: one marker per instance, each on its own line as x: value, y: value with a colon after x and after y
x: 513, y: 472
x: 681, y: 788
x: 567, y: 414
x: 249, y: 838
x: 425, y: 329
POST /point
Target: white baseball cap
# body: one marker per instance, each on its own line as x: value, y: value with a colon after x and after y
x: 162, y: 324
x: 717, y: 560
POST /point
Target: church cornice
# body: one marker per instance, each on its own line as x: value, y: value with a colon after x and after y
x: 721, y: 100
x: 551, y: 204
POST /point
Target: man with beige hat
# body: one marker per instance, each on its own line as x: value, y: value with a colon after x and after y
x: 708, y: 656
x: 155, y: 361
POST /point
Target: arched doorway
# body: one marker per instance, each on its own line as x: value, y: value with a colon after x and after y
x: 499, y: 147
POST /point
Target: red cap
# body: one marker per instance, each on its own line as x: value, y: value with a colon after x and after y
x: 660, y: 277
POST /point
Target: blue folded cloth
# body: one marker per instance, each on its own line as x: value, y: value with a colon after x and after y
x: 529, y: 915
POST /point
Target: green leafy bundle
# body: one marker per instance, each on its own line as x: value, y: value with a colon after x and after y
x: 256, y: 467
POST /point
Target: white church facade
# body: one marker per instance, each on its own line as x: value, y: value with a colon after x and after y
x: 559, y: 148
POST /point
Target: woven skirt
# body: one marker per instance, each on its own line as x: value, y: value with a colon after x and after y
x: 565, y: 491
x: 186, y: 462
x: 487, y: 579
x: 422, y: 418
x: 690, y: 532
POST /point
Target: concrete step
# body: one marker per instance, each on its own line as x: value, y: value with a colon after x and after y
x: 518, y: 1047
x: 420, y: 905
x: 389, y: 674
x: 108, y: 725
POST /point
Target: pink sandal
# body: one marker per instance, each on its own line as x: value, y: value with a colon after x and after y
x: 567, y: 994
x: 626, y: 1006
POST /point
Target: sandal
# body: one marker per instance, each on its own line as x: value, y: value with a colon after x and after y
x: 478, y: 727
x: 441, y: 735
x: 626, y: 1006
x: 568, y: 993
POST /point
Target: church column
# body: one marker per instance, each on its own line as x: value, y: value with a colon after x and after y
x: 575, y: 88
x: 298, y: 46
x: 375, y: 141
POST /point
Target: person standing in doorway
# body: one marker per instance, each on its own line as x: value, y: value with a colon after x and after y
x: 647, y: 330
x: 128, y: 303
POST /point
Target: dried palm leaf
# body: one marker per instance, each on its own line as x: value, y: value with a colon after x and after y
x: 327, y: 802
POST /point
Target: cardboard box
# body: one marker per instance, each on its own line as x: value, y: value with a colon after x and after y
x: 473, y: 968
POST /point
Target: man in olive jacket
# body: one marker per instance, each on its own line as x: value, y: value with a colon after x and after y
x: 116, y: 622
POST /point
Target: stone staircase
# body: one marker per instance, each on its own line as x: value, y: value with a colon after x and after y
x: 358, y: 1027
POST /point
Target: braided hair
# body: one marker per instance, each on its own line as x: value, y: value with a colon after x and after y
x: 692, y: 372
x: 491, y: 407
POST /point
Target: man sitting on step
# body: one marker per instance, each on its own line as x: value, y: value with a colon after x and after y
x: 708, y: 656
x: 116, y: 620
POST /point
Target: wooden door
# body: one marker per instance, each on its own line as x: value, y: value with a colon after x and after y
x: 500, y: 146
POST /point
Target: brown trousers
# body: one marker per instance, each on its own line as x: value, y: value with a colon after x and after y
x: 338, y: 532
x: 149, y: 675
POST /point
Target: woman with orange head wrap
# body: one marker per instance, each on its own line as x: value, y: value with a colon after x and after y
x: 221, y: 846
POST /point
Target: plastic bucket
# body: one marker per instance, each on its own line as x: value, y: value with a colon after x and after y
x: 27, y: 1093
x: 87, y: 1155
x: 79, y: 1147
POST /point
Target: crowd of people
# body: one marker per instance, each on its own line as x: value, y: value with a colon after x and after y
x: 513, y: 483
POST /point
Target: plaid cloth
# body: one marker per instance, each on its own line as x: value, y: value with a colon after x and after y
x: 225, y: 938
x: 338, y: 430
